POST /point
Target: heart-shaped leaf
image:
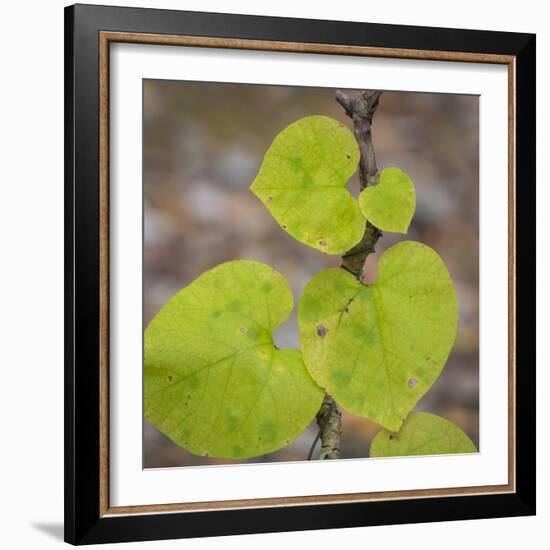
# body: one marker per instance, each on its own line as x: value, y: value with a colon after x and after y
x: 302, y: 181
x: 214, y: 382
x: 390, y: 204
x: 422, y: 434
x: 378, y: 348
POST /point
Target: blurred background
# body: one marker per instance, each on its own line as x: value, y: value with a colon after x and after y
x: 202, y: 146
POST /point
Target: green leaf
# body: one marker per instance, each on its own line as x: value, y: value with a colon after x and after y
x: 378, y: 348
x: 390, y: 204
x: 422, y: 434
x: 214, y: 382
x: 302, y: 181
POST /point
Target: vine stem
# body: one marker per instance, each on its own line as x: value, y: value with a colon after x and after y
x: 361, y: 111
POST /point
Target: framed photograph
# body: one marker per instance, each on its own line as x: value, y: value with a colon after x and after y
x: 300, y: 274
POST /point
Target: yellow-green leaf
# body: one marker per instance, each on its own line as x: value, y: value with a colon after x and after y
x: 390, y: 204
x: 214, y: 382
x: 422, y: 434
x: 302, y: 181
x: 378, y: 348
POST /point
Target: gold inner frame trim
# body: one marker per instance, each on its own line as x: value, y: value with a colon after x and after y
x: 105, y: 39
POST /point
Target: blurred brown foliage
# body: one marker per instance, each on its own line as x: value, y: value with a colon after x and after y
x: 202, y: 146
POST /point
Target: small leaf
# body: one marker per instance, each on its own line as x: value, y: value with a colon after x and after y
x: 390, y: 204
x: 422, y: 434
x: 378, y: 348
x: 214, y: 382
x: 302, y: 182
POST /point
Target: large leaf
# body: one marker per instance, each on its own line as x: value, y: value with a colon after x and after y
x: 302, y: 181
x: 390, y: 204
x: 214, y: 382
x: 378, y: 348
x: 422, y: 434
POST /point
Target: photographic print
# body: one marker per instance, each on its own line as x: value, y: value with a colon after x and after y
x: 310, y: 273
x: 299, y: 274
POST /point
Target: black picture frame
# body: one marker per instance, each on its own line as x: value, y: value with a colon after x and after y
x: 84, y: 522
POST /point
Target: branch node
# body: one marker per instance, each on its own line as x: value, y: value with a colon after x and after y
x: 345, y: 102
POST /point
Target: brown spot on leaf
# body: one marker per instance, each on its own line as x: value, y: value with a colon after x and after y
x: 169, y: 378
x: 348, y: 157
x: 322, y: 242
x: 321, y: 331
x: 391, y: 436
x: 412, y: 382
x: 269, y: 199
x: 243, y: 330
